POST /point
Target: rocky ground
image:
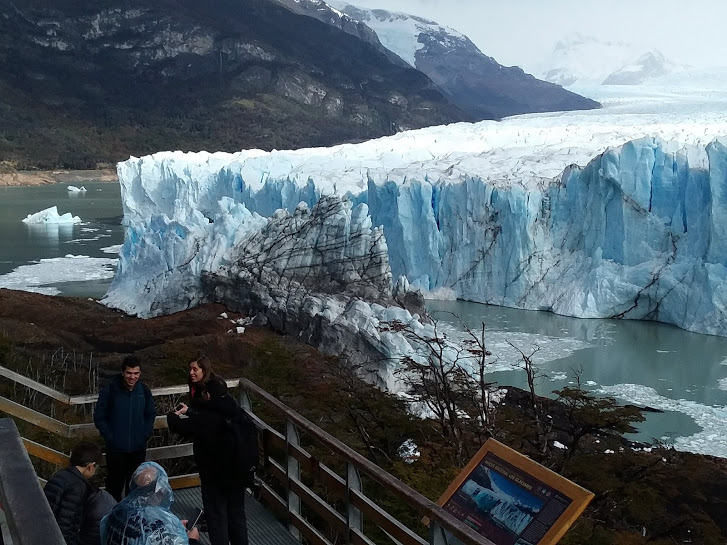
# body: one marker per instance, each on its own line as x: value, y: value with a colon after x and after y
x: 38, y: 326
x: 44, y: 177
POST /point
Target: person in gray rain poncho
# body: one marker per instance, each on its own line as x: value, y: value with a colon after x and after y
x: 144, y: 516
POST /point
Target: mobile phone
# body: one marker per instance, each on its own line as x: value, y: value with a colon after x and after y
x: 179, y: 406
x: 194, y: 519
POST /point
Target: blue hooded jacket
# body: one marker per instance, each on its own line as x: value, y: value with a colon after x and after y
x: 125, y: 419
x: 144, y: 516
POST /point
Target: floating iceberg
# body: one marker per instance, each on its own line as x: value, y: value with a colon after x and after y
x: 51, y: 216
x: 74, y: 189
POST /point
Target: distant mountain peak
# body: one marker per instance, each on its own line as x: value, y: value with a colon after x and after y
x: 473, y: 81
x: 586, y: 59
x: 651, y: 65
x: 578, y: 39
x: 129, y: 77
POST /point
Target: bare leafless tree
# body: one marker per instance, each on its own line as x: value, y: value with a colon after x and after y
x: 310, y: 251
x: 542, y: 424
x: 450, y: 379
x: 588, y: 414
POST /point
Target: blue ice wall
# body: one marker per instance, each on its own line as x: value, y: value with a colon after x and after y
x: 640, y: 232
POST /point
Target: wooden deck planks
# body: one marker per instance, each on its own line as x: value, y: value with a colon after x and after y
x: 262, y: 527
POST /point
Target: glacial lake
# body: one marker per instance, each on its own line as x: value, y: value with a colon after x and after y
x: 44, y: 251
x: 643, y: 363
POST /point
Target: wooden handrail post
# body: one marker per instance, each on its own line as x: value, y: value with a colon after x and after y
x: 354, y: 519
x: 292, y: 468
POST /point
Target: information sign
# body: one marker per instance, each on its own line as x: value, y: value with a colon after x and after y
x: 512, y: 500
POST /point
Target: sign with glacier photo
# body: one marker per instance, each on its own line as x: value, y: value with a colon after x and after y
x: 511, y: 500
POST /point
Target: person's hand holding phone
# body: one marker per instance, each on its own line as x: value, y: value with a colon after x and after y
x: 181, y: 408
x: 192, y: 533
x: 191, y: 523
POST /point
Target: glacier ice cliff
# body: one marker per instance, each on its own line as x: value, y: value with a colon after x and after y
x: 639, y: 232
x: 321, y: 274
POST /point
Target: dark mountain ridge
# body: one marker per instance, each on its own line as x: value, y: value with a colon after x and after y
x: 473, y: 81
x: 83, y: 83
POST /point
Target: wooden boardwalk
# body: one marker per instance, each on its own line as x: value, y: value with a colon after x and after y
x: 262, y: 527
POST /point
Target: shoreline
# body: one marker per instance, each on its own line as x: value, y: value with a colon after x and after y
x: 57, y: 176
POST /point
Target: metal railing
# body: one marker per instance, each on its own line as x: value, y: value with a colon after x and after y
x: 344, y: 523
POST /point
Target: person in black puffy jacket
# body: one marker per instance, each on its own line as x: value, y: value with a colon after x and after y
x: 98, y: 504
x: 68, y: 489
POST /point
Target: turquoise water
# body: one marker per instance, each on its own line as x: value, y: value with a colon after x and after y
x: 20, y: 244
x: 668, y: 367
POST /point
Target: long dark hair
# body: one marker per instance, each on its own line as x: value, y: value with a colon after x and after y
x: 204, y: 363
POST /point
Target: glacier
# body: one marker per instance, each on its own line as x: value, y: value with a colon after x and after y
x: 584, y: 215
x: 321, y: 274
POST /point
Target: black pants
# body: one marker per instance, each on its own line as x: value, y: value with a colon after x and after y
x: 120, y: 466
x: 224, y: 511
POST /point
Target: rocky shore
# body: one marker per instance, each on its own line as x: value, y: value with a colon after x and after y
x: 47, y: 177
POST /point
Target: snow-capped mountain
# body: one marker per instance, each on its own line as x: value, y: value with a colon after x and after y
x: 649, y: 66
x: 476, y: 83
x: 129, y: 77
x: 331, y: 16
x: 582, y: 59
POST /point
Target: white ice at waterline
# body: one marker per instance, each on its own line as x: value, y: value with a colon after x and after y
x: 115, y: 249
x: 38, y: 277
x: 74, y: 189
x: 712, y: 440
x: 447, y: 196
x: 51, y: 216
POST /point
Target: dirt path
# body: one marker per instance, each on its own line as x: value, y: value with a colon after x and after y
x: 45, y: 177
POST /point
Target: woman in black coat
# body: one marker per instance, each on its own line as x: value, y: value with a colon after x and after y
x: 223, y: 491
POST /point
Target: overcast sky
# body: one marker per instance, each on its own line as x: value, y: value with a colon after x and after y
x: 521, y: 32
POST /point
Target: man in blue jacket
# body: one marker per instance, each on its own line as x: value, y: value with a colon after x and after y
x: 124, y: 416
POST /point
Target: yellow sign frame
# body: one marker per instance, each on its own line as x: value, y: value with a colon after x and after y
x: 525, y: 473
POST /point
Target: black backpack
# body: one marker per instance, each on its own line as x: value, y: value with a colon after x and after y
x: 239, y: 445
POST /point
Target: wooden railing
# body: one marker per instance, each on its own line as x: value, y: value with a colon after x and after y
x: 348, y: 490
x: 62, y: 429
x: 28, y: 517
x: 344, y: 524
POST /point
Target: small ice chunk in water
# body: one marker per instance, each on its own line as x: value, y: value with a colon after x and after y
x: 50, y: 215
